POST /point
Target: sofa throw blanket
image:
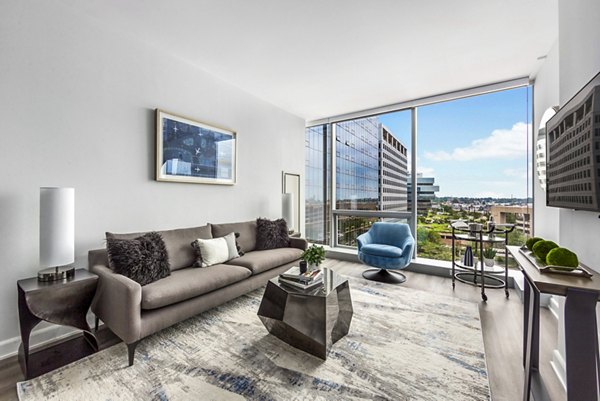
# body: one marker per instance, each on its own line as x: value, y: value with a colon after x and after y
x: 143, y: 259
x: 271, y: 234
x: 210, y: 252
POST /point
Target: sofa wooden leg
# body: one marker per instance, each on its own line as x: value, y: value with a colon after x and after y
x: 96, y: 323
x: 131, y: 351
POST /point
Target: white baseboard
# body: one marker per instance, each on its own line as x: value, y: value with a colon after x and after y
x: 45, y: 335
x: 554, y: 307
x: 558, y: 365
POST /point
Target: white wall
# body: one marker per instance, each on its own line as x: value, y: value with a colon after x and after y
x: 77, y: 104
x: 568, y: 67
x: 545, y: 96
x: 579, y: 50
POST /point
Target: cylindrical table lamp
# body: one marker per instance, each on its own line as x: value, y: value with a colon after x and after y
x: 57, y: 233
x: 287, y: 209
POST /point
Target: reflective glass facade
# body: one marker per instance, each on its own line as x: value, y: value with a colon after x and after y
x: 317, y: 178
x: 357, y: 164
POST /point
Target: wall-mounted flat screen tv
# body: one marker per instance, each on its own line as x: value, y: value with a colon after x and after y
x: 573, y: 151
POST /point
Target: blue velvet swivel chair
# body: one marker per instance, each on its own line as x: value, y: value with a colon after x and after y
x: 389, y: 247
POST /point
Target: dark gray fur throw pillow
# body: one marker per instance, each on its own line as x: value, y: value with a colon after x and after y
x: 237, y: 245
x: 143, y: 259
x: 271, y: 234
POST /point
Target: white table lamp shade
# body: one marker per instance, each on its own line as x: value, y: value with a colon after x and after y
x: 287, y: 209
x: 57, y: 226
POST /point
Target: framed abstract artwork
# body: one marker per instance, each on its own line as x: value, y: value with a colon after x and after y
x: 194, y: 152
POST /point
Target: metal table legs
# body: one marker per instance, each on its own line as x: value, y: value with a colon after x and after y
x: 581, y: 338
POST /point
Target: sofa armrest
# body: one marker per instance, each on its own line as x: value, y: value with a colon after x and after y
x: 118, y: 303
x: 299, y: 243
x: 363, y: 239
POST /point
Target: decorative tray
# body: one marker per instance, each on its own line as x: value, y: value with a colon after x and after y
x: 579, y: 271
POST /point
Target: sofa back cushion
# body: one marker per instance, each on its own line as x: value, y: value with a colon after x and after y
x: 177, y: 242
x: 247, y: 230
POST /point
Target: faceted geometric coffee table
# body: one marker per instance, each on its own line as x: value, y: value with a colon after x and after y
x: 310, y: 320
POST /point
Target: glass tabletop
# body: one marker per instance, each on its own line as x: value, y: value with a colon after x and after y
x: 331, y: 280
x: 484, y: 238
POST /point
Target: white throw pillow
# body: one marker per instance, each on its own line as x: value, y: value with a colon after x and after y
x: 216, y: 250
x: 233, y: 252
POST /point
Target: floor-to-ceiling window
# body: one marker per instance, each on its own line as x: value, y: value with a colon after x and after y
x: 317, y: 176
x: 471, y: 163
x: 371, y: 173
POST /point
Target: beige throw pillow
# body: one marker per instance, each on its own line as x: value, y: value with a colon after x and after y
x: 214, y: 251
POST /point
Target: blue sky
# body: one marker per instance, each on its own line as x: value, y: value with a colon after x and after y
x: 475, y: 146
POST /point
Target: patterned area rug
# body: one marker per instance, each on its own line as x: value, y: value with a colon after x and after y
x: 403, y: 344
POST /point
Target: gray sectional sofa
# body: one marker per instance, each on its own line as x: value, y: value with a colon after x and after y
x: 133, y: 311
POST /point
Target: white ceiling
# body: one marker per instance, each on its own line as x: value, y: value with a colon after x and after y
x: 319, y: 58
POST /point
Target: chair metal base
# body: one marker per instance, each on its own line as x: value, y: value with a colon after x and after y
x: 384, y: 276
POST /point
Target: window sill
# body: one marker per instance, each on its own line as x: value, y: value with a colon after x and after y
x: 419, y: 265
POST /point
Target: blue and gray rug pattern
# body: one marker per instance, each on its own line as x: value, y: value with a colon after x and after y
x: 403, y: 344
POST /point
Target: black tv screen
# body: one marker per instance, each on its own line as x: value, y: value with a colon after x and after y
x: 573, y: 151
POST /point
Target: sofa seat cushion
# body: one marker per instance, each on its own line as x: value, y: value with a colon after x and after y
x: 260, y: 261
x: 387, y: 251
x: 189, y: 283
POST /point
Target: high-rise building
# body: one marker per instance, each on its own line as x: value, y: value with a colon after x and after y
x: 393, y: 172
x: 425, y: 192
x: 357, y: 164
x: 317, y: 162
x: 371, y: 174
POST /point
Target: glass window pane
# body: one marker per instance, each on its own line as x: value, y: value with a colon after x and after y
x: 317, y: 166
x: 372, y: 169
x: 473, y: 165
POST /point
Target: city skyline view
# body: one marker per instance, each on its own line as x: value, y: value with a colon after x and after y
x: 473, y: 147
x: 472, y: 164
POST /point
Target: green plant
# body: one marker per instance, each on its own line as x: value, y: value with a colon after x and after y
x: 314, y: 255
x: 531, y: 242
x: 562, y: 257
x: 489, y: 253
x: 541, y: 249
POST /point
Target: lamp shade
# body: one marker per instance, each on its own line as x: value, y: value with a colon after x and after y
x: 57, y: 226
x: 287, y: 209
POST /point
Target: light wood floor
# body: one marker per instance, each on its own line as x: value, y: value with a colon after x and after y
x: 501, y: 320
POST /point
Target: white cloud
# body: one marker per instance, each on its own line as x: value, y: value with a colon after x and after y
x: 491, y: 194
x: 516, y: 172
x: 426, y: 171
x: 500, y: 144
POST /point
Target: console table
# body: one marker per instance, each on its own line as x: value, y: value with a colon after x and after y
x: 63, y: 302
x: 581, y: 333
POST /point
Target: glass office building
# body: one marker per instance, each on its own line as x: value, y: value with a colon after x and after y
x: 371, y: 174
x: 317, y: 177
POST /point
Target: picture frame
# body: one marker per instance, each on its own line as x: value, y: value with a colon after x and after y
x: 191, y: 151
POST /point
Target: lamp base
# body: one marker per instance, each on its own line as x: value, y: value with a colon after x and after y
x: 56, y: 273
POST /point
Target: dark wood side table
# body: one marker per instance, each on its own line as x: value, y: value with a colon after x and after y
x: 581, y: 333
x: 63, y: 302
